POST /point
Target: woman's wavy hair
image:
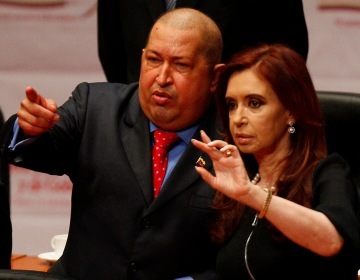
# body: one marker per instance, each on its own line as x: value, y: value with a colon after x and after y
x: 286, y: 72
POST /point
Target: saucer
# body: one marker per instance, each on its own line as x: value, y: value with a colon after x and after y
x: 49, y: 256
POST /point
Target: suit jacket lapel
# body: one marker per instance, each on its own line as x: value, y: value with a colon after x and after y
x: 136, y: 141
x: 184, y: 173
x: 137, y: 145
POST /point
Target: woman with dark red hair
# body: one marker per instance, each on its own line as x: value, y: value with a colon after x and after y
x: 286, y: 209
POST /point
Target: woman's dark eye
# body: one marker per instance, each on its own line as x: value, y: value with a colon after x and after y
x: 255, y: 103
x: 231, y: 105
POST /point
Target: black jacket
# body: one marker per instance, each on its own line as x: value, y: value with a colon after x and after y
x: 102, y: 142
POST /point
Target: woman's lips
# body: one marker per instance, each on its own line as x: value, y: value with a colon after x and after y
x: 243, y: 139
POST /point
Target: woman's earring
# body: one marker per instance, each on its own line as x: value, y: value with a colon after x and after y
x: 291, y: 128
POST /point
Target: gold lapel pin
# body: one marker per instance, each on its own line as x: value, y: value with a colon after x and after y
x: 200, y: 162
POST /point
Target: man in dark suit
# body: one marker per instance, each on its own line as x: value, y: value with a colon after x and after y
x: 102, y: 139
x: 123, y: 26
x: 5, y: 221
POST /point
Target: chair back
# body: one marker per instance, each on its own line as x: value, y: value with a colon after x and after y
x: 342, y: 119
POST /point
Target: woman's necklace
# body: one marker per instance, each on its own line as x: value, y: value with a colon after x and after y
x: 256, y: 178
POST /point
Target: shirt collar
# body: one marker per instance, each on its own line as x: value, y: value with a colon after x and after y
x: 185, y: 134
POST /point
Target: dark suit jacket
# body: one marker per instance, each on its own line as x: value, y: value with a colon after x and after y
x: 5, y: 221
x: 117, y: 231
x: 123, y: 27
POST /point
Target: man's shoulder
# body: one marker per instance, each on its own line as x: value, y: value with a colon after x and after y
x: 106, y: 92
x: 113, y: 87
x: 97, y: 96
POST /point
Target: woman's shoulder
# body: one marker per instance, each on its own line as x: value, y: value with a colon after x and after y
x: 334, y: 172
x: 333, y: 159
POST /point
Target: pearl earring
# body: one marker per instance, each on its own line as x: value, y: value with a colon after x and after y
x: 291, y: 128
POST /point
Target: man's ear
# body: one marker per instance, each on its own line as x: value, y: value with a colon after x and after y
x: 218, y: 68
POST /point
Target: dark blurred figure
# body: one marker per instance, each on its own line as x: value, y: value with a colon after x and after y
x: 123, y: 26
x: 5, y: 222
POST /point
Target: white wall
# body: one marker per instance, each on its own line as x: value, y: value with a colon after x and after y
x: 52, y: 48
x: 334, y: 39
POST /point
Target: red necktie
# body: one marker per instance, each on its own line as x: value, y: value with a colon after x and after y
x: 162, y: 143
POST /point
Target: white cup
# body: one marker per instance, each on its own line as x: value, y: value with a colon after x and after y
x: 58, y: 243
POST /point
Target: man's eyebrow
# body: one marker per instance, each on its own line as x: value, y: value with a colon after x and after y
x: 152, y: 51
x: 175, y: 57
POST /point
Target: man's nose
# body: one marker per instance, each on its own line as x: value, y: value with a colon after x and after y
x: 165, y: 75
